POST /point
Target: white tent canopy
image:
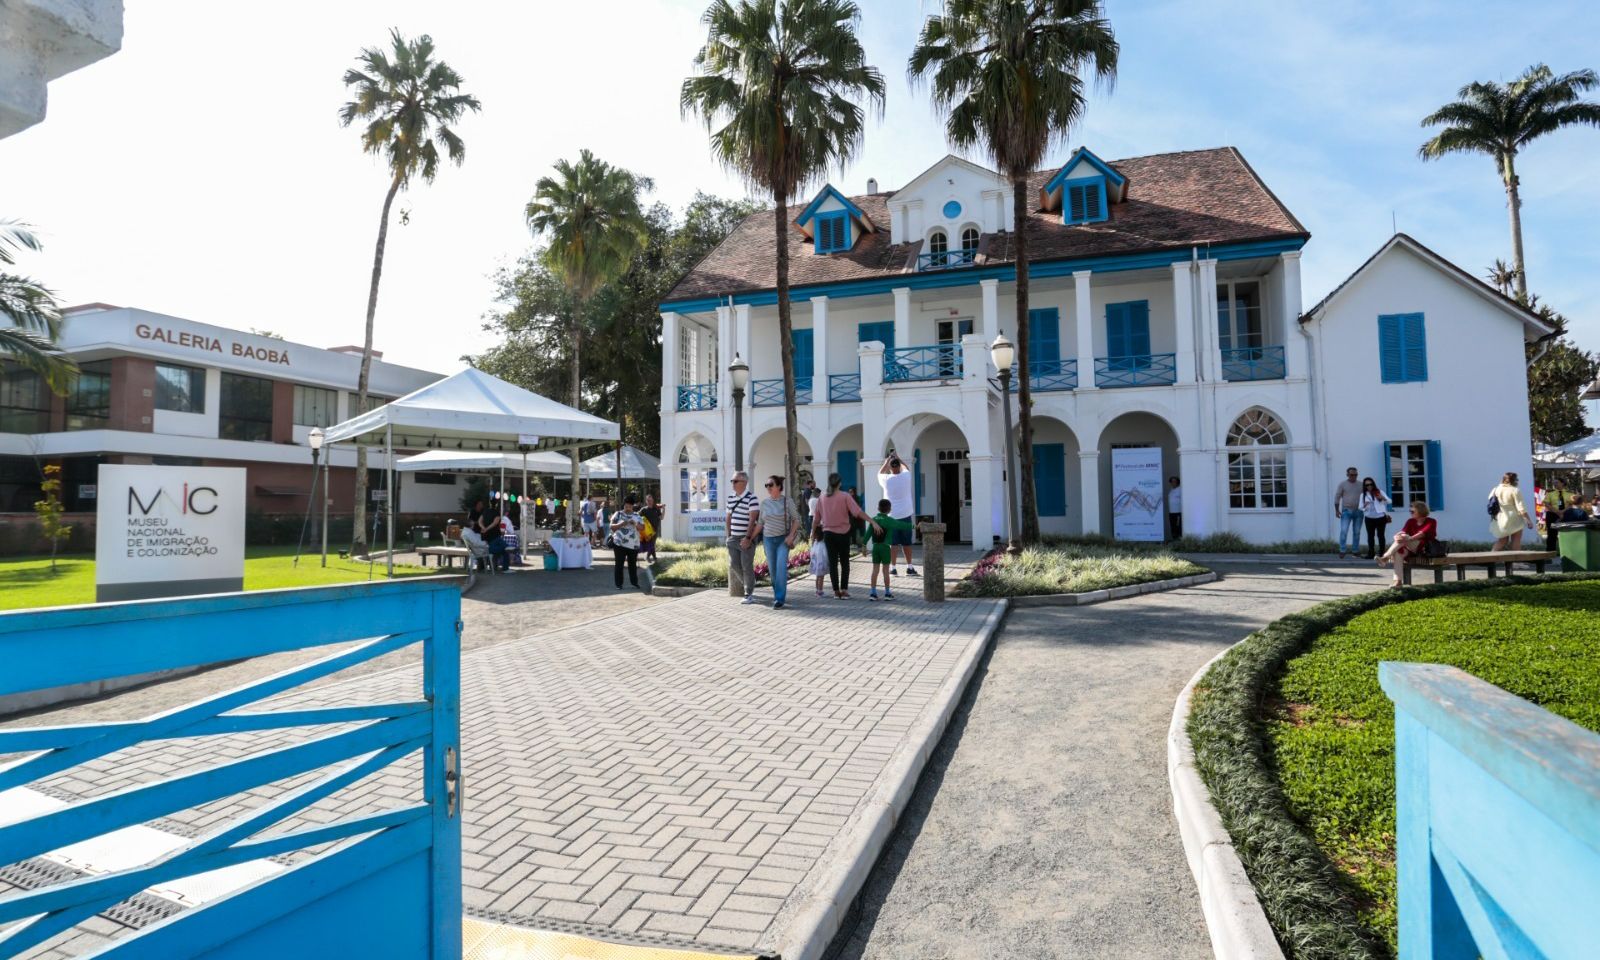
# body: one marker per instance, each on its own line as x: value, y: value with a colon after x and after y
x: 636, y: 465
x: 446, y: 461
x: 1580, y: 451
x: 472, y: 410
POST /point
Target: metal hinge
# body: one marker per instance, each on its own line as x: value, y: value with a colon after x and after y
x: 452, y: 783
x: 458, y: 628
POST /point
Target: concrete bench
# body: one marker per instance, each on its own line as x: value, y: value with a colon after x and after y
x: 1488, y: 559
x: 443, y: 556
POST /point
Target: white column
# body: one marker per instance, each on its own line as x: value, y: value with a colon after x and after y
x: 724, y: 357
x: 741, y: 319
x: 1183, y: 319
x: 991, y: 309
x: 988, y: 502
x: 873, y: 415
x: 674, y: 526
x: 669, y: 362
x: 1210, y: 345
x: 1089, y: 468
x: 1083, y: 319
x: 902, y: 317
x: 1297, y: 363
x: 819, y: 345
x: 1197, y: 475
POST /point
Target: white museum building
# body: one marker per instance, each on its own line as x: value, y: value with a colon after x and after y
x: 1166, y: 321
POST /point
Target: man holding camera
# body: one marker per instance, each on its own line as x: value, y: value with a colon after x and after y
x: 899, y: 488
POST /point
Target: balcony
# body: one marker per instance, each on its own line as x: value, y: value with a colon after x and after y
x: 769, y: 393
x: 1046, y: 375
x: 910, y: 364
x: 1252, y: 363
x: 844, y: 388
x: 946, y: 261
x: 697, y: 396
x: 1140, y: 370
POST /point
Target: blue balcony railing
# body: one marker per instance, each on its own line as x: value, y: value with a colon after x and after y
x: 697, y: 396
x: 946, y: 260
x: 1046, y: 375
x: 1140, y: 370
x: 1252, y: 363
x: 844, y: 388
x: 769, y: 393
x: 906, y: 364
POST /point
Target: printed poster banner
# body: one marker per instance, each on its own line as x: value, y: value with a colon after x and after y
x: 168, y: 531
x: 705, y: 523
x: 1137, y: 497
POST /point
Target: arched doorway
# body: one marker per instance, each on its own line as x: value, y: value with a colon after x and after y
x: 698, y: 487
x: 770, y: 455
x: 844, y: 458
x: 1136, y: 493
x: 942, y: 471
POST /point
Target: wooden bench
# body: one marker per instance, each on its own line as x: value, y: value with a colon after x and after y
x: 443, y: 556
x: 1488, y: 559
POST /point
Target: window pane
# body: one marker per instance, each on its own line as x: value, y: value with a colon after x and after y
x: 246, y: 410
x: 89, y: 397
x: 314, y: 406
x: 969, y: 239
x: 180, y: 389
x: 24, y: 402
x: 938, y: 243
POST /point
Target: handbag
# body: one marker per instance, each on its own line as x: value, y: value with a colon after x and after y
x: 1436, y: 549
x: 819, y: 558
x: 1494, y: 506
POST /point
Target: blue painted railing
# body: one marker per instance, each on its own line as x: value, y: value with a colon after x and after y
x: 938, y: 362
x: 946, y: 260
x: 1143, y: 370
x: 1044, y: 375
x: 769, y: 393
x: 697, y: 396
x: 1497, y: 821
x: 1252, y: 363
x: 392, y: 889
x: 844, y: 388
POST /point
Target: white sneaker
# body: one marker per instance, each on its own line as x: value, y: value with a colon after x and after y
x: 747, y: 600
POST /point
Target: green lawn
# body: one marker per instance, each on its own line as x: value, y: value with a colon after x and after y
x: 1071, y: 568
x: 1331, y: 729
x: 27, y: 582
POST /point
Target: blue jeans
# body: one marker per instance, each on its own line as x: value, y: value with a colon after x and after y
x: 778, y: 566
x: 1350, y: 523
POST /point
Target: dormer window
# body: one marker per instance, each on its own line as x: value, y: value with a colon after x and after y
x: 1085, y: 201
x: 1084, y: 189
x: 938, y: 242
x: 832, y: 232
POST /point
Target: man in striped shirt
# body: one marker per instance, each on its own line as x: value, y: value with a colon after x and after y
x: 742, y: 530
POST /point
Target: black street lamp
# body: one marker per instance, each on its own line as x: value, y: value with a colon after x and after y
x: 1004, y: 354
x: 739, y: 371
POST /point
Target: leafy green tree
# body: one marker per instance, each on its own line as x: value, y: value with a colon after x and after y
x: 777, y: 86
x: 590, y: 216
x: 49, y: 511
x: 1555, y: 382
x: 408, y: 100
x: 1500, y: 119
x: 1009, y: 77
x: 35, y: 318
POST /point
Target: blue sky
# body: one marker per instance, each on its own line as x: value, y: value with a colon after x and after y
x: 201, y: 171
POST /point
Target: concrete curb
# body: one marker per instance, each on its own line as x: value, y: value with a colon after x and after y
x: 1114, y: 593
x: 1234, y: 918
x: 820, y: 911
x: 676, y: 591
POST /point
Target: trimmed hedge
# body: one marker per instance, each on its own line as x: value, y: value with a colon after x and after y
x: 1314, y: 907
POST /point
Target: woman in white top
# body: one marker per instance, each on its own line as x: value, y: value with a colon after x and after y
x: 1512, y: 518
x: 1375, y: 511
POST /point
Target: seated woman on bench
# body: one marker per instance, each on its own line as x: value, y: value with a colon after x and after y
x: 1413, y: 538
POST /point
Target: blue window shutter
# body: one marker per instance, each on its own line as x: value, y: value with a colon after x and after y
x: 1116, y: 329
x: 1434, y: 457
x: 1094, y: 207
x: 1390, y: 356
x: 803, y: 354
x: 1050, y: 478
x: 1077, y: 201
x: 1044, y: 335
x: 832, y: 232
x: 846, y: 468
x: 1414, y: 347
x: 1139, y: 327
x: 881, y: 331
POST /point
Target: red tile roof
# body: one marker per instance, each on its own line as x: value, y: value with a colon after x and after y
x: 1174, y: 200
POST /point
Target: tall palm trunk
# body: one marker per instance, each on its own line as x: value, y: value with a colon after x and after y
x: 1030, y: 508
x: 358, y: 540
x: 791, y: 426
x: 576, y: 370
x: 1514, y: 207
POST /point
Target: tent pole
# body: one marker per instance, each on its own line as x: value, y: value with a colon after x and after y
x: 327, y: 465
x: 388, y: 444
x: 522, y: 515
x: 619, y: 468
x: 574, y: 487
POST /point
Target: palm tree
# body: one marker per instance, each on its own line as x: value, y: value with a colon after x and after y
x: 32, y: 310
x: 408, y: 100
x: 777, y: 86
x: 590, y: 213
x: 1499, y: 119
x: 1501, y: 275
x: 1008, y: 74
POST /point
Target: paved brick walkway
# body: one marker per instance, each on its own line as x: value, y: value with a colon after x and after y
x: 679, y: 769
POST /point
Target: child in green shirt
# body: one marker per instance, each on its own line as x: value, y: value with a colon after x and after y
x: 878, y: 532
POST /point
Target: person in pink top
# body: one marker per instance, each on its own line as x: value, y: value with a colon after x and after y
x: 831, y: 522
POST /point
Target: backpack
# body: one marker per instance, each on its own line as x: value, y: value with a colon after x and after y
x: 1494, y: 506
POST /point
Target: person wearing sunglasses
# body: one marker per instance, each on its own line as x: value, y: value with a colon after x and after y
x: 780, y: 526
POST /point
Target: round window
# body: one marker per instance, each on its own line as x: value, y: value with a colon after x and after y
x: 952, y: 210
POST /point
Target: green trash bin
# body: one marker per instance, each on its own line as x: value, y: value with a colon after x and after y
x: 1579, y: 545
x: 421, y: 537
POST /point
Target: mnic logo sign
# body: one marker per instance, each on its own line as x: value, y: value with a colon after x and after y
x: 201, y: 501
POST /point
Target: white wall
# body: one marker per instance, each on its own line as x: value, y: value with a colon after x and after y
x: 918, y: 208
x: 1474, y: 402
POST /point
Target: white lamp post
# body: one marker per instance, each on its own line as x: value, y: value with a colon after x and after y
x: 315, y: 440
x: 740, y: 372
x: 1004, y: 354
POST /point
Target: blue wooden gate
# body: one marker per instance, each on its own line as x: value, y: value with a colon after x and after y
x: 390, y: 887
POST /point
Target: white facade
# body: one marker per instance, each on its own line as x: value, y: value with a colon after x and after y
x: 1227, y: 355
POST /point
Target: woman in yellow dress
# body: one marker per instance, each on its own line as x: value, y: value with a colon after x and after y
x: 1507, y: 525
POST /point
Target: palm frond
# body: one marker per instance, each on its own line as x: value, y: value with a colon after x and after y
x: 408, y: 99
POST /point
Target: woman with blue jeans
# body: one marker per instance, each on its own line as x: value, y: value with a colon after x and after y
x: 780, y: 525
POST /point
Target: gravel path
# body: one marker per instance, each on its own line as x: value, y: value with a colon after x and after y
x: 1042, y: 826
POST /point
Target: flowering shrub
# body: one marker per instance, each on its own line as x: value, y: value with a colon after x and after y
x: 798, y: 557
x: 988, y: 564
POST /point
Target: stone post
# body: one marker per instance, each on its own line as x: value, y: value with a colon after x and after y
x: 932, y: 561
